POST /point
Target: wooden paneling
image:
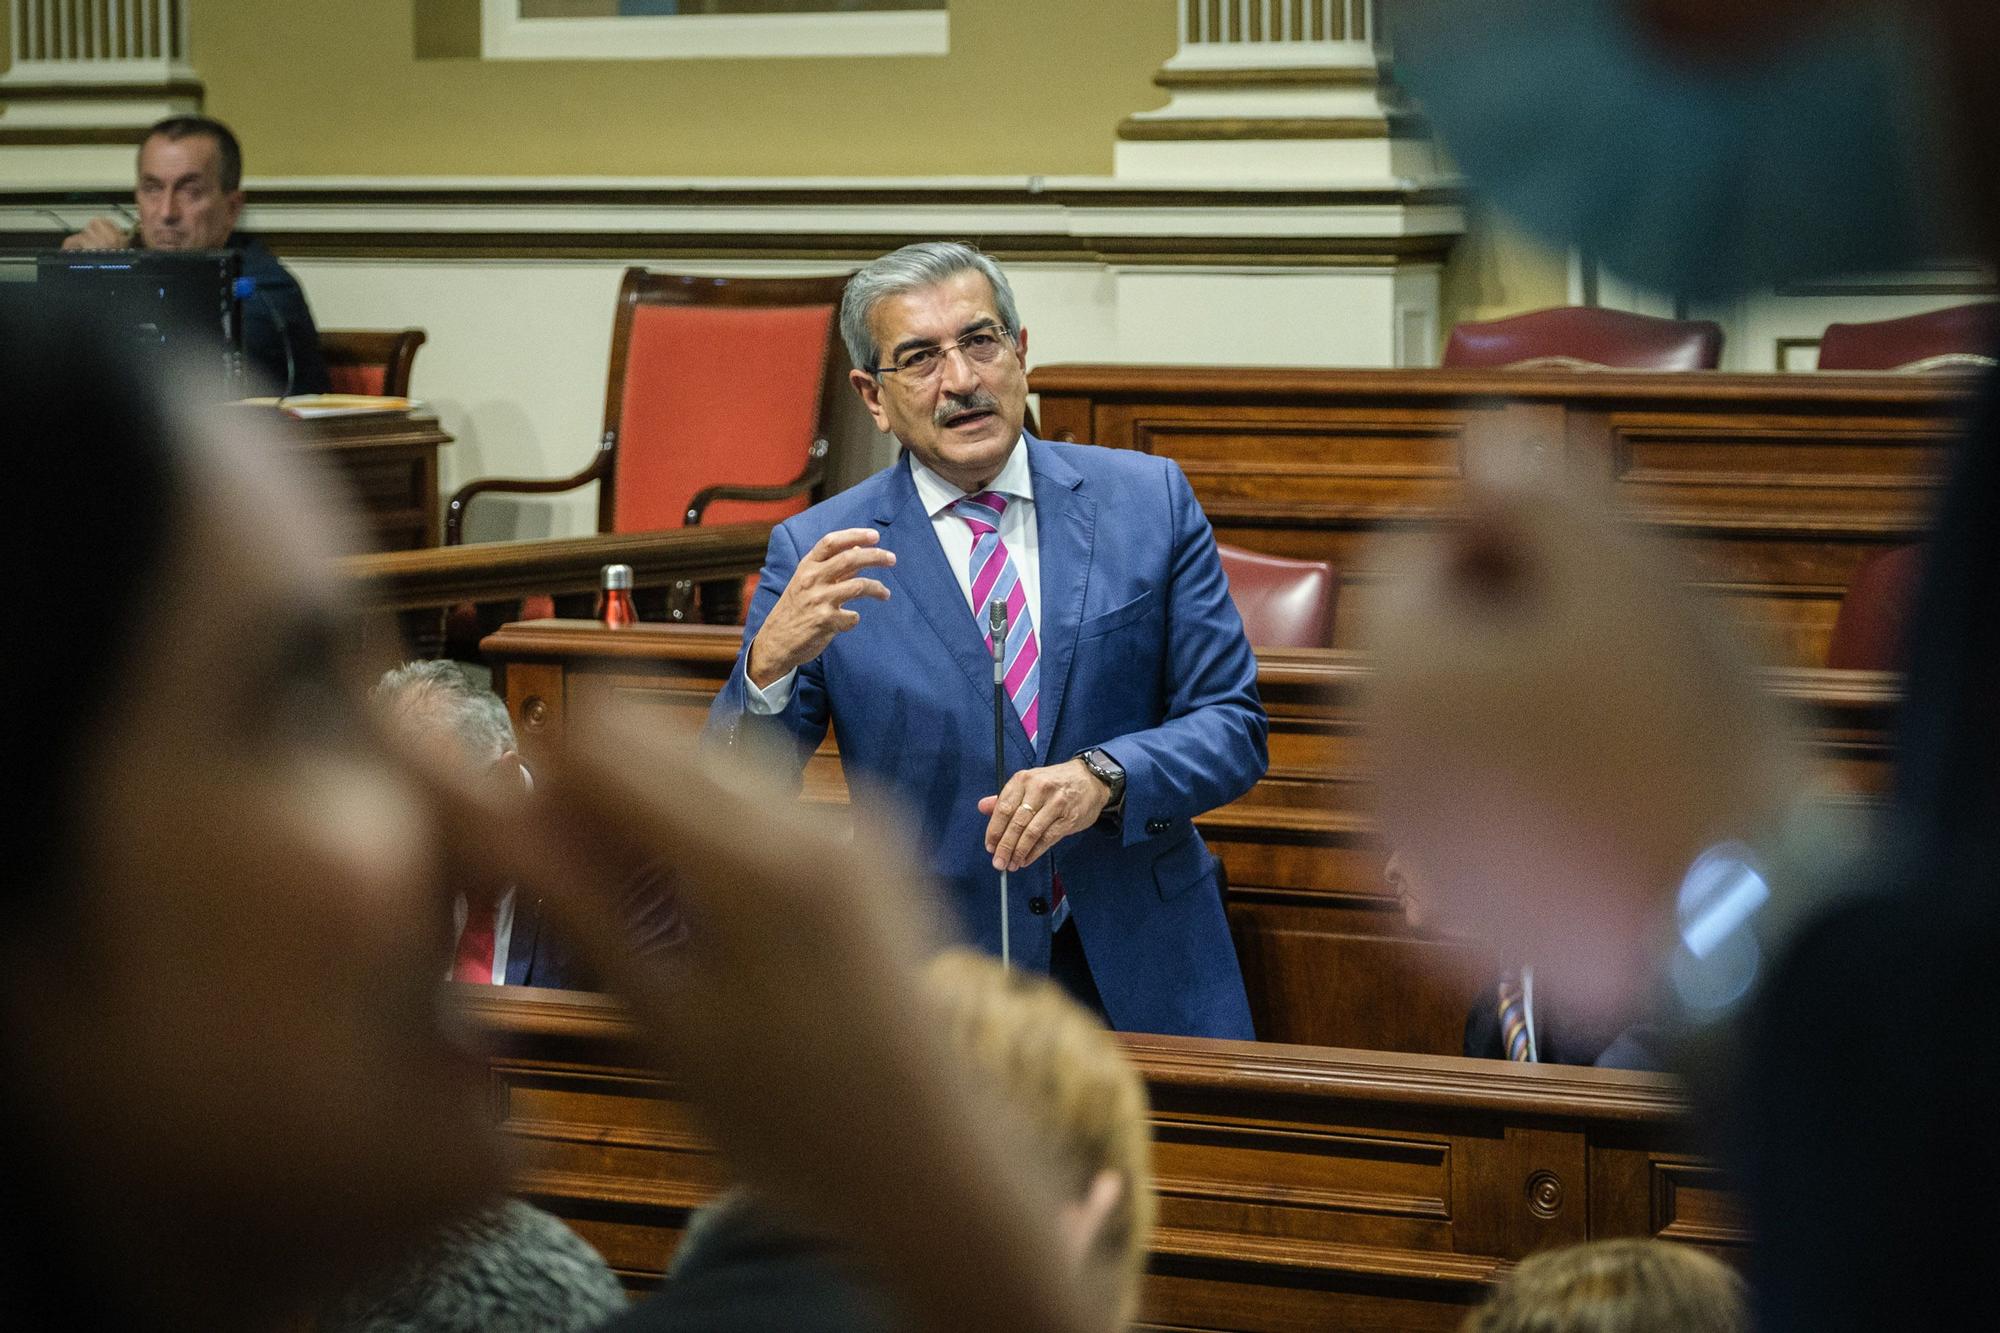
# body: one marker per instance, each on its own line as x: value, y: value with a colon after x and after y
x: 1773, y: 487
x: 1326, y: 952
x: 1299, y: 1188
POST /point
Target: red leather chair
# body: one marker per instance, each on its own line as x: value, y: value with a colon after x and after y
x: 1868, y: 632
x: 717, y: 407
x: 1585, y: 338
x: 370, y: 361
x: 1284, y: 603
x: 1960, y: 337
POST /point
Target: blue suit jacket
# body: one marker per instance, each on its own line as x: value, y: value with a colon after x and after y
x: 1142, y: 653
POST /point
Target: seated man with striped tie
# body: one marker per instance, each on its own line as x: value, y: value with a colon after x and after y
x: 498, y: 934
x: 1128, y: 701
x: 1519, y: 1016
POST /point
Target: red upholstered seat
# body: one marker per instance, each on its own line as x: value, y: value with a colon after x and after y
x: 1284, y: 603
x: 1868, y: 632
x: 370, y: 361
x: 1959, y: 337
x: 1587, y: 338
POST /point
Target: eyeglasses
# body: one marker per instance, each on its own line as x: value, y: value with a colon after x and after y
x: 982, y: 347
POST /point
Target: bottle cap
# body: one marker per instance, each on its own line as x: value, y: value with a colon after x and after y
x: 617, y: 576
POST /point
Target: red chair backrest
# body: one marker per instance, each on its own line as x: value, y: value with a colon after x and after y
x: 358, y: 379
x: 1961, y: 334
x: 1284, y: 603
x: 372, y: 361
x: 1589, y: 336
x: 1868, y: 632
x: 714, y: 394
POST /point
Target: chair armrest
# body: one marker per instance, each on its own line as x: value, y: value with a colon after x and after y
x: 454, y: 511
x: 815, y: 470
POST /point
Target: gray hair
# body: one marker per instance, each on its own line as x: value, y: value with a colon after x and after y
x: 910, y: 269
x: 446, y: 693
x: 511, y: 1269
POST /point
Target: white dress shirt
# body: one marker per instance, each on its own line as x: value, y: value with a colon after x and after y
x: 954, y: 534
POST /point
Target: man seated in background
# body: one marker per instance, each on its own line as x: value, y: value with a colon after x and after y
x: 1039, y: 1055
x: 190, y: 194
x: 499, y: 937
x: 1518, y: 1016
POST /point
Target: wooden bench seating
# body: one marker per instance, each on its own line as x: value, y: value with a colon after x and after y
x: 1326, y: 952
x: 1300, y: 1188
x: 1773, y: 487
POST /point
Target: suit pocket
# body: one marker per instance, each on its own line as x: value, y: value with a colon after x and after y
x: 1118, y: 617
x: 1181, y: 867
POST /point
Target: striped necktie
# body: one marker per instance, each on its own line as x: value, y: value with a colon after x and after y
x: 994, y: 578
x: 1514, y: 1019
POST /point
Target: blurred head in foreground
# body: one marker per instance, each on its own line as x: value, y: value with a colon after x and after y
x: 1032, y: 1053
x: 509, y: 1269
x: 221, y: 1055
x: 1054, y: 1063
x: 1616, y: 1286
x: 1560, y: 730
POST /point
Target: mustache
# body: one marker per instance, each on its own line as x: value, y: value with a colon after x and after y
x: 951, y: 405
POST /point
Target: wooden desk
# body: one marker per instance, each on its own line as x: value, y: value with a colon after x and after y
x: 1773, y: 487
x: 389, y: 465
x: 1326, y: 952
x: 1300, y: 1189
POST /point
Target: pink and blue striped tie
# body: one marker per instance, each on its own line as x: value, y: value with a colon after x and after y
x: 994, y: 578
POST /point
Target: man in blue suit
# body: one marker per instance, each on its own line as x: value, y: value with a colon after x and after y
x: 1131, y: 698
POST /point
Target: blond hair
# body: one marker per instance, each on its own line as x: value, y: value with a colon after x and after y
x: 1055, y: 1063
x: 1616, y: 1286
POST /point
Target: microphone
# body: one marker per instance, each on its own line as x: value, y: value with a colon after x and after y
x: 247, y: 287
x: 996, y: 627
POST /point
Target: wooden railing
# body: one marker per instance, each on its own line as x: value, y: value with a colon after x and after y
x: 446, y: 576
x: 1771, y: 488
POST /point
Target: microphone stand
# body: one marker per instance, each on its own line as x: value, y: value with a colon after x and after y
x: 996, y: 627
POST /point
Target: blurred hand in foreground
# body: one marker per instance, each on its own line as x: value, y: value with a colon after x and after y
x: 794, y: 1013
x: 1560, y: 729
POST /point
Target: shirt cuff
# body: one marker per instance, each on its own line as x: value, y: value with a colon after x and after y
x: 772, y: 698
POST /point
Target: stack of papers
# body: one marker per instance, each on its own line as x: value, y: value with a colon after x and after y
x: 312, y: 406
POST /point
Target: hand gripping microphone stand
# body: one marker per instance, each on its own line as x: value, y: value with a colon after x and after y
x: 996, y: 626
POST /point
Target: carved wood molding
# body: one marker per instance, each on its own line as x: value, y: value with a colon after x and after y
x: 1773, y: 392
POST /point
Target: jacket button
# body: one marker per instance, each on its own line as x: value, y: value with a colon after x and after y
x: 1038, y: 906
x: 1158, y: 825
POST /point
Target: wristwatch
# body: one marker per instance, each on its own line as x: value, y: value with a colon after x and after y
x: 1109, y: 772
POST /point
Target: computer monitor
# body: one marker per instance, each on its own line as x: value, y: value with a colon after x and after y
x: 183, y: 301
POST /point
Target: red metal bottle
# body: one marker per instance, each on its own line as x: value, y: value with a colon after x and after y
x: 614, y: 603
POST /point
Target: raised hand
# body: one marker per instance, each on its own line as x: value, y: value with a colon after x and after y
x: 813, y: 608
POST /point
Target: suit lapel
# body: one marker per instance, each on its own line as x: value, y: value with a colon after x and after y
x: 521, y: 940
x: 1066, y: 528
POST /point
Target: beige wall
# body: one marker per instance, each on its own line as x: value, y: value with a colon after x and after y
x: 1030, y: 87
x: 1494, y: 270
